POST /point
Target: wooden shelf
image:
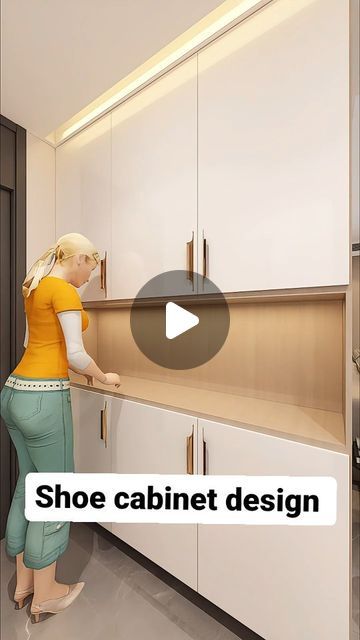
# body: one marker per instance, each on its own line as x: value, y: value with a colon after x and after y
x: 303, y: 424
x: 274, y: 295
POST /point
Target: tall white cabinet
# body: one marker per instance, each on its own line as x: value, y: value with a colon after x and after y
x: 282, y: 582
x: 83, y: 196
x: 113, y: 435
x: 151, y: 440
x: 274, y: 149
x: 92, y: 426
x: 154, y: 181
x: 236, y: 164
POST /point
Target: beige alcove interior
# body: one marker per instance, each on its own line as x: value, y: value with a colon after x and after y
x: 281, y: 368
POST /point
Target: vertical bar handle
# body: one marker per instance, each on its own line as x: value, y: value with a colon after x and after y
x: 204, y: 458
x: 204, y: 258
x: 190, y: 452
x: 103, y: 274
x: 103, y: 424
x: 190, y: 259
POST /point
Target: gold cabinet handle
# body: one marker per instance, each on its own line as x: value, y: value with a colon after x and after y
x: 204, y: 258
x: 103, y: 424
x: 204, y: 458
x: 103, y: 274
x: 190, y: 260
x: 190, y: 452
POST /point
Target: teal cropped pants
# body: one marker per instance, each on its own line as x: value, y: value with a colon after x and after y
x: 41, y: 428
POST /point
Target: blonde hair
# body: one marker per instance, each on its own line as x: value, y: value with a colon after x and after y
x: 68, y: 245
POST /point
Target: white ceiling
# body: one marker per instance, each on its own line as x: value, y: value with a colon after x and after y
x: 59, y: 55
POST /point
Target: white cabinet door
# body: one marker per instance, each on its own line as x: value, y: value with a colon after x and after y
x: 274, y: 149
x: 92, y: 433
x: 83, y: 195
x: 151, y: 440
x: 282, y: 582
x: 154, y: 181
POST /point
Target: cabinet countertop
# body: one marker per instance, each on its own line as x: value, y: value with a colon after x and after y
x: 304, y: 424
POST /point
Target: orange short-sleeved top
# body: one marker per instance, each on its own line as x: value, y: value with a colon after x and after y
x: 45, y: 354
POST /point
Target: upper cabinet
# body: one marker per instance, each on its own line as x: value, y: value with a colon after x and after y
x: 234, y: 164
x: 83, y: 197
x: 154, y: 182
x: 274, y: 149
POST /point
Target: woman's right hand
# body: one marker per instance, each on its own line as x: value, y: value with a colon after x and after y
x: 112, y: 378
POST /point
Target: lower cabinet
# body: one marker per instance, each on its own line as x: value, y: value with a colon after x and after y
x: 151, y: 440
x: 92, y: 433
x: 285, y: 583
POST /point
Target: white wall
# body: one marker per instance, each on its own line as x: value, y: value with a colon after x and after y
x: 354, y: 78
x: 40, y: 189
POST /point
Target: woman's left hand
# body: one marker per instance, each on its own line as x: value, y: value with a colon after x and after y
x: 89, y: 380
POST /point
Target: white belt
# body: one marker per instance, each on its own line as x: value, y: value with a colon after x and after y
x: 37, y: 385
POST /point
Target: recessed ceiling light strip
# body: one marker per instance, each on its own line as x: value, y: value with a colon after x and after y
x: 213, y: 25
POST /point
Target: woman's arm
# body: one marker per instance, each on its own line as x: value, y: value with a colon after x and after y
x: 26, y: 337
x: 78, y: 359
x: 90, y: 379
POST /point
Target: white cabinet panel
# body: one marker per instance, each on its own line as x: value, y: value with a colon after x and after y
x: 151, y: 440
x: 83, y: 194
x: 274, y: 148
x: 282, y: 582
x: 92, y: 452
x: 154, y: 181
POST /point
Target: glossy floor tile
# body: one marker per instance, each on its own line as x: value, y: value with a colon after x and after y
x: 121, y: 600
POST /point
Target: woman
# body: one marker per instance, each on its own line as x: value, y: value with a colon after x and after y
x: 36, y: 408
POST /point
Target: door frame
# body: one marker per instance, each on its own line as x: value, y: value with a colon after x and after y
x: 18, y: 237
x: 14, y: 181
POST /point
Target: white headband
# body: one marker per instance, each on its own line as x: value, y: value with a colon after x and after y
x: 42, y: 269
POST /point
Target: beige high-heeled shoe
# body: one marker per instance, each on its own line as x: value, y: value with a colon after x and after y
x: 55, y: 605
x: 21, y: 596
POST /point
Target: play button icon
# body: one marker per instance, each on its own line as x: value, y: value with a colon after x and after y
x: 178, y: 320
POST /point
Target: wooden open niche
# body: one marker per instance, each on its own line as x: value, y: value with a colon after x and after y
x: 281, y: 368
